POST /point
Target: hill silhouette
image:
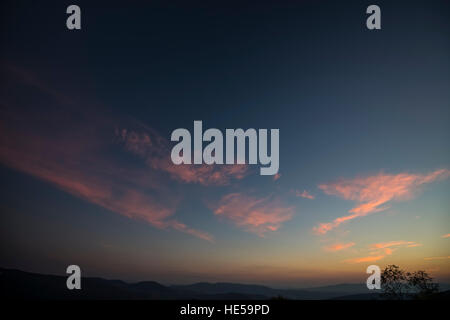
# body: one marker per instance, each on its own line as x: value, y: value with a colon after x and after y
x: 17, y: 284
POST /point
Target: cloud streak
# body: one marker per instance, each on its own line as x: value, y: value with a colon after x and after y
x: 304, y: 194
x: 365, y: 259
x: 257, y: 215
x: 147, y: 144
x: 437, y: 258
x: 77, y: 152
x: 378, y: 251
x: 339, y: 246
x: 373, y: 193
x: 384, y: 245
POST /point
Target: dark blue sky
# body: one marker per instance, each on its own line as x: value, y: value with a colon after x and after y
x: 349, y: 103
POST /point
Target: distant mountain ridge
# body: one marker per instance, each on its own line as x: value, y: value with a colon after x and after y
x: 15, y: 284
x: 306, y: 294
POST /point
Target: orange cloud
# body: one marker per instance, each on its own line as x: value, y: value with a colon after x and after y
x: 339, y: 246
x: 276, y: 177
x: 383, y: 245
x: 374, y: 192
x: 304, y: 194
x: 437, y: 258
x: 255, y: 215
x: 414, y: 245
x: 446, y: 235
x: 364, y: 259
x: 378, y: 251
x: 389, y: 247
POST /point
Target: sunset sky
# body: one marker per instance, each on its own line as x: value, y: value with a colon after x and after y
x: 86, y: 119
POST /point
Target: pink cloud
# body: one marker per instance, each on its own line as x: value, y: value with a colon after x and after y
x: 276, y: 177
x: 255, y: 215
x: 339, y: 246
x: 156, y: 152
x: 74, y: 150
x: 304, y: 194
x: 446, y: 235
x: 206, y: 174
x: 194, y: 232
x: 374, y: 192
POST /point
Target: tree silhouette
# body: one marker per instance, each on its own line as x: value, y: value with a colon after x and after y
x: 398, y: 284
x: 394, y: 283
x: 422, y: 284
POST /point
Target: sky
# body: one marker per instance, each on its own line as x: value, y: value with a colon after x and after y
x: 87, y: 115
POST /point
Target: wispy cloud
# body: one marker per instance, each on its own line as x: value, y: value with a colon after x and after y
x: 446, y: 235
x: 147, y: 144
x: 258, y: 215
x: 389, y: 244
x: 378, y: 251
x: 75, y: 151
x: 389, y: 247
x: 339, y: 246
x: 374, y: 192
x: 364, y: 259
x: 304, y: 194
x: 184, y: 228
x: 414, y: 245
x: 437, y: 258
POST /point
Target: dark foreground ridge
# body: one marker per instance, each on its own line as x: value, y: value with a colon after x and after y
x: 15, y: 284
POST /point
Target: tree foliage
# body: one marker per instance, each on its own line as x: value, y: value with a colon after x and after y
x: 399, y: 284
